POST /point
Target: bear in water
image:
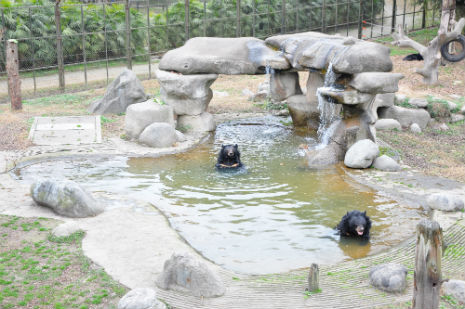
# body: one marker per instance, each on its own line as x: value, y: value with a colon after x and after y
x: 229, y: 157
x: 355, y: 224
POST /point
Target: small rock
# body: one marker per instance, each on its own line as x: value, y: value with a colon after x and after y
x: 452, y: 105
x: 443, y: 127
x: 400, y: 98
x: 388, y: 124
x: 386, y: 163
x: 159, y: 135
x: 455, y: 96
x: 361, y: 154
x: 418, y: 102
x: 260, y: 96
x: 66, y: 198
x: 456, y: 289
x: 389, y: 277
x: 182, y: 272
x: 180, y: 136
x: 141, y: 298
x: 415, y: 128
x: 65, y: 229
x: 220, y: 94
x: 445, y: 202
x: 246, y: 92
x: 457, y: 82
x: 456, y: 118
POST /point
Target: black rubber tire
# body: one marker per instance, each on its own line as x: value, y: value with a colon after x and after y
x: 456, y: 57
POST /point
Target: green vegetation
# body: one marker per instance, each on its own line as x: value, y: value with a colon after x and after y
x: 38, y: 270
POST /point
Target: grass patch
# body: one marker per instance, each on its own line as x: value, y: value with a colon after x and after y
x: 43, y: 272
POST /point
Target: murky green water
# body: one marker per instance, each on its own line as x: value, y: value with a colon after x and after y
x: 275, y: 216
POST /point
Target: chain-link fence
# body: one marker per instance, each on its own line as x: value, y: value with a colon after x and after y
x: 79, y: 45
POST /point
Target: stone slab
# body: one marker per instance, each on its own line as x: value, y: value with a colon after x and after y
x: 69, y: 130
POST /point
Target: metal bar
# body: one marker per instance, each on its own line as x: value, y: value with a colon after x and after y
x: 403, y: 17
x: 269, y: 25
x: 372, y: 18
x: 360, y: 20
x: 323, y: 16
x: 59, y: 42
x: 336, y: 18
x: 105, y: 38
x: 204, y: 17
x: 347, y: 17
x: 394, y: 12
x: 128, y: 34
x: 148, y: 38
x: 186, y: 19
x: 238, y: 18
x: 296, y: 17
x: 382, y: 19
x: 283, y: 16
x: 84, y: 56
x: 33, y: 61
x: 423, y: 18
x: 253, y: 17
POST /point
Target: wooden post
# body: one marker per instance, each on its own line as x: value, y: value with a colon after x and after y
x: 60, y: 61
x: 12, y: 69
x: 128, y: 34
x: 428, y: 275
x: 314, y: 278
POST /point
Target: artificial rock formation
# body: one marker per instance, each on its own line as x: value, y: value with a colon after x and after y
x: 351, y: 73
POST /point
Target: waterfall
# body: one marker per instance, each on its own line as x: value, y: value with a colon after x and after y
x: 327, y: 109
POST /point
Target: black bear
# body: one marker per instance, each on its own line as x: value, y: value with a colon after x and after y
x: 355, y: 223
x: 229, y: 157
x: 413, y: 57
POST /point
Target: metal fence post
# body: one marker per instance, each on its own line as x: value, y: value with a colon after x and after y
x: 128, y: 34
x: 186, y: 18
x: 394, y: 13
x: 423, y: 18
x: 105, y: 38
x: 61, y: 67
x: 283, y: 16
x: 204, y: 17
x: 33, y: 61
x: 148, y: 39
x: 84, y: 56
x: 238, y: 18
x: 323, y: 16
x: 360, y: 19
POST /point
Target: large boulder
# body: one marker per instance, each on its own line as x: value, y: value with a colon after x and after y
x: 376, y: 82
x: 384, y: 100
x: 187, y: 94
x: 329, y: 155
x: 284, y: 84
x: 316, y: 50
x: 182, y: 272
x: 388, y: 124
x: 389, y: 277
x: 140, y: 115
x: 361, y: 154
x: 202, y: 55
x: 141, y: 298
x: 445, y: 202
x: 159, y: 135
x: 125, y: 90
x: 405, y: 116
x: 66, y: 198
x: 455, y: 289
x: 201, y: 123
x: 303, y: 113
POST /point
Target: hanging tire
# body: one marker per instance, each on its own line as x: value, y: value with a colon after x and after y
x: 454, y: 57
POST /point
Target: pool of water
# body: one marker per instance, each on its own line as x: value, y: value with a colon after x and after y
x: 274, y: 216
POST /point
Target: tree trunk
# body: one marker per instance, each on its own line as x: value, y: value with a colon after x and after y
x: 12, y: 69
x: 60, y: 61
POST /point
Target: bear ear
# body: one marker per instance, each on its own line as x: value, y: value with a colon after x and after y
x: 365, y: 212
x: 222, y: 146
x: 235, y: 146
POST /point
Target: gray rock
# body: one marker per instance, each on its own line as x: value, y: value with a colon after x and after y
x: 202, y: 55
x: 452, y: 105
x: 187, y: 94
x: 125, y: 90
x: 349, y: 97
x: 456, y: 289
x: 283, y: 85
x: 462, y: 110
x: 415, y: 128
x: 329, y: 155
x: 182, y: 272
x: 141, y: 298
x: 445, y: 202
x: 66, y: 198
x: 418, y: 102
x: 66, y: 229
x: 140, y: 115
x: 456, y: 118
x: 260, y: 96
x: 158, y: 135
x: 443, y: 127
x: 386, y: 163
x: 405, y: 116
x: 303, y: 113
x: 361, y: 154
x: 389, y: 277
x: 376, y: 82
x: 388, y: 124
x: 180, y: 136
x: 384, y: 100
x: 400, y: 98
x: 201, y: 123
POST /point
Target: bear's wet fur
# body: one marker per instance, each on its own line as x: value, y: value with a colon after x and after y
x: 355, y: 224
x: 413, y: 57
x: 229, y: 157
